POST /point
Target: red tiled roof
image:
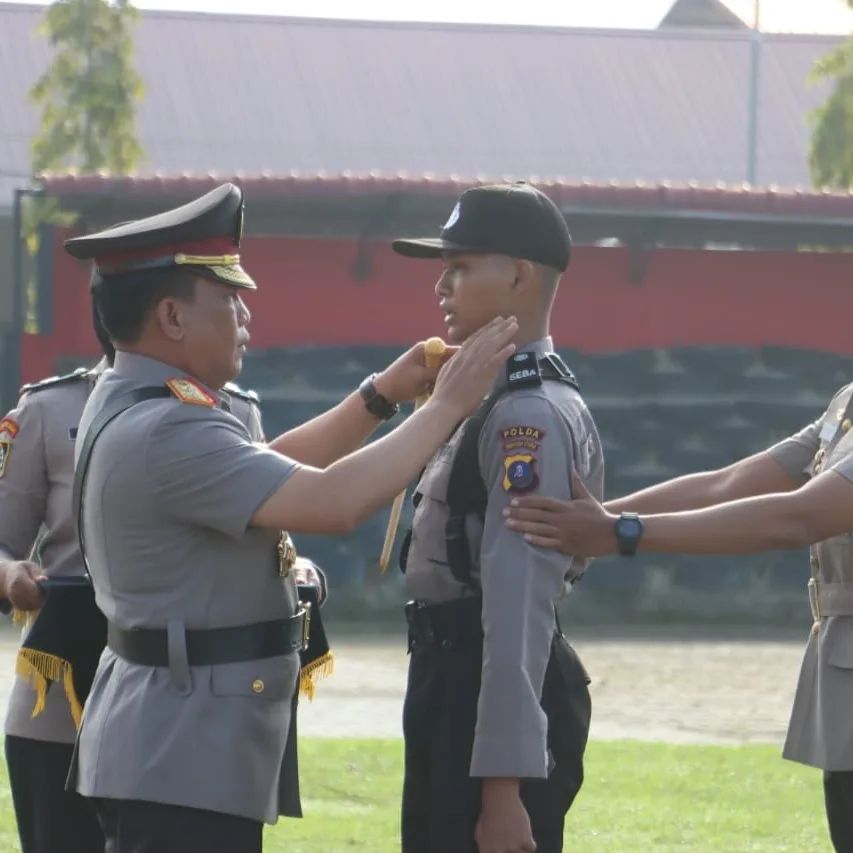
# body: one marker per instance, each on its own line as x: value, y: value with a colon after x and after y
x: 615, y: 196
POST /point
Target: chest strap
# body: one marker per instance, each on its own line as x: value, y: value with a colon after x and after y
x: 466, y: 491
x: 101, y: 420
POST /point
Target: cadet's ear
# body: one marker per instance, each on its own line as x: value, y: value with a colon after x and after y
x: 169, y: 316
x: 525, y: 274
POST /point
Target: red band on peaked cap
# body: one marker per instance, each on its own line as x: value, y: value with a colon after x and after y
x: 126, y: 260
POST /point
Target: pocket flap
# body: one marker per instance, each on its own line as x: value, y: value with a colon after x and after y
x: 272, y: 678
x: 837, y: 641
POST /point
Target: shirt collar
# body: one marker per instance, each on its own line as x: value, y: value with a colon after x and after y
x: 539, y: 348
x: 150, y: 371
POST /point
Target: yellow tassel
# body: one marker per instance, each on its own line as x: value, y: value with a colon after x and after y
x: 321, y: 668
x: 37, y: 668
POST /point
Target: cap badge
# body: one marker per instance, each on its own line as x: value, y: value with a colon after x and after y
x: 454, y: 216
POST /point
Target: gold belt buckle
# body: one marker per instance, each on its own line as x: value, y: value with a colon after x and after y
x: 286, y: 554
x: 306, y: 623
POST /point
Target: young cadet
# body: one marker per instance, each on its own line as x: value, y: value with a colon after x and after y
x: 497, y: 708
x: 184, y: 741
x: 38, y: 544
x: 798, y: 492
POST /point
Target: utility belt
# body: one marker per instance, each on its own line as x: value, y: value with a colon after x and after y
x: 211, y: 646
x: 448, y: 625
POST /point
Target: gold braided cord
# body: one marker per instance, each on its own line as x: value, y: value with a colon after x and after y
x: 207, y: 260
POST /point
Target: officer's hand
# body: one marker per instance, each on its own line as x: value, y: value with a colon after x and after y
x: 580, y: 527
x: 307, y: 573
x: 467, y: 377
x: 19, y: 581
x: 503, y: 825
x: 409, y: 377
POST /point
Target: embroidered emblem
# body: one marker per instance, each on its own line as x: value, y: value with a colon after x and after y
x: 9, y: 427
x: 5, y: 452
x: 520, y: 473
x: 521, y: 438
x: 454, y: 216
x: 189, y: 391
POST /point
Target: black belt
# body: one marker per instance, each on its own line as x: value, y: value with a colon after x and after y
x: 449, y: 624
x: 210, y: 646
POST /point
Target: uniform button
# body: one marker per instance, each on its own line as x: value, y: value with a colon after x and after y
x: 257, y: 686
x: 813, y: 562
x: 447, y: 644
x: 846, y: 424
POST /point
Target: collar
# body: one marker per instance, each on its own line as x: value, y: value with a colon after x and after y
x: 539, y: 348
x: 150, y: 371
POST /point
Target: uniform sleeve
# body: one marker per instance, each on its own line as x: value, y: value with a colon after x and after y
x: 249, y: 414
x: 23, y: 477
x: 795, y: 454
x: 206, y: 471
x: 525, y: 448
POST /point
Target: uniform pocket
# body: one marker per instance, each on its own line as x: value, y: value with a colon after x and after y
x: 836, y: 642
x: 271, y: 678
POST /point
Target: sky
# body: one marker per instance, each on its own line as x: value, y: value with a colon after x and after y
x: 824, y: 16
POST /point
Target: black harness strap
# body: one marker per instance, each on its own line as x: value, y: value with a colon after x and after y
x: 101, y: 420
x: 466, y: 491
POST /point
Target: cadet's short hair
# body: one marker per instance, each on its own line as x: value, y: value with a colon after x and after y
x: 125, y: 303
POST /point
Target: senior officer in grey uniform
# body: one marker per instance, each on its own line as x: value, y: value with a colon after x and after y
x: 796, y: 493
x: 36, y: 473
x: 497, y: 708
x: 183, y: 744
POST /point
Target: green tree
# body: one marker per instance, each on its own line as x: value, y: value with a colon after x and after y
x: 88, y: 94
x: 831, y: 153
x: 87, y: 97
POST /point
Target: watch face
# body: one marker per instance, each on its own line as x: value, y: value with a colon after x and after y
x: 630, y: 528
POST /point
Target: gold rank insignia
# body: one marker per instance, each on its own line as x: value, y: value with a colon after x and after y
x: 286, y: 554
x: 189, y: 391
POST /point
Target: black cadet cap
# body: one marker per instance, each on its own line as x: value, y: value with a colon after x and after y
x: 503, y: 219
x: 202, y: 236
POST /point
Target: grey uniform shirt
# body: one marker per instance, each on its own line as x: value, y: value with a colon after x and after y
x: 820, y: 732
x: 170, y: 492
x: 35, y: 508
x: 530, y: 443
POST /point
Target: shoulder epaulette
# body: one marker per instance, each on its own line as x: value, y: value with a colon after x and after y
x: 53, y: 381
x: 236, y: 391
x: 189, y: 391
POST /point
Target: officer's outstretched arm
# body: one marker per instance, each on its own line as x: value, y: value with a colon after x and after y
x: 339, y: 498
x: 343, y: 428
x: 756, y: 475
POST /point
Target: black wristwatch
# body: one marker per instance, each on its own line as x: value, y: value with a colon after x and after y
x: 629, y: 530
x: 378, y: 406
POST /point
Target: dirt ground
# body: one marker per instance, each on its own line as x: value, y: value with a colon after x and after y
x: 652, y: 685
x: 667, y: 685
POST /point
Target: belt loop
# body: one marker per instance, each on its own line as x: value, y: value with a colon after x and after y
x: 179, y: 667
x: 814, y: 603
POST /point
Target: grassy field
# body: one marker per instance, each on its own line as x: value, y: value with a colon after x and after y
x: 637, y: 797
